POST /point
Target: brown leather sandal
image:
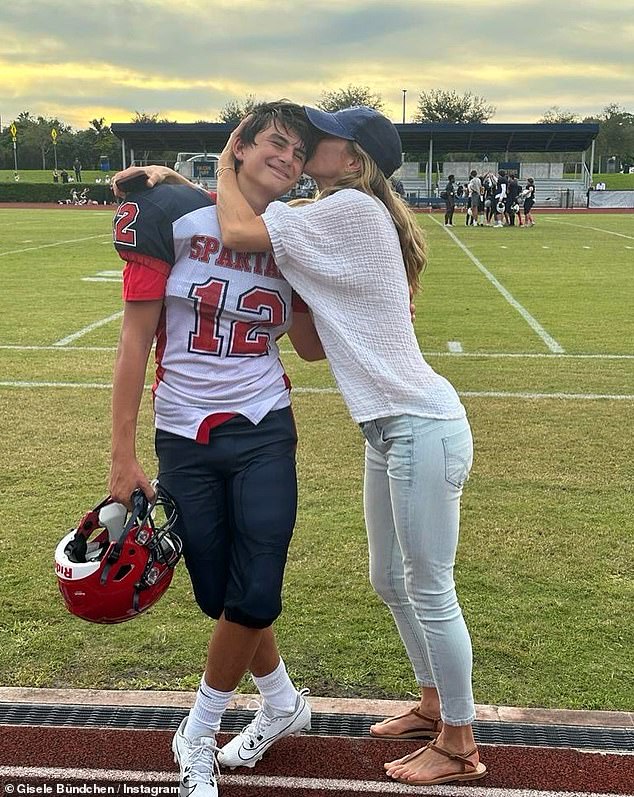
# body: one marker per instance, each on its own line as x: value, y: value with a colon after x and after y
x: 414, y: 733
x: 470, y: 771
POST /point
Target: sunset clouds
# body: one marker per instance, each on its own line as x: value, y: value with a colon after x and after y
x: 80, y: 59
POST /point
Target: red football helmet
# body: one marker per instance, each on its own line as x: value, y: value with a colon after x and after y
x: 110, y: 569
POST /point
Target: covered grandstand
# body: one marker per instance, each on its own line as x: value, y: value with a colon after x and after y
x: 485, y: 147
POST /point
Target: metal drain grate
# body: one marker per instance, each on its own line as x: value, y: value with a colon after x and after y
x: 349, y: 725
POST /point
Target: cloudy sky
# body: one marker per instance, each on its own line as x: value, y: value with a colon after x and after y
x: 81, y: 59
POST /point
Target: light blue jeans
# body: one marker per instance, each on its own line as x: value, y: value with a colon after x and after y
x: 415, y: 469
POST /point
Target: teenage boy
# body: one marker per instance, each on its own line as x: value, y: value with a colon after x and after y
x: 225, y: 436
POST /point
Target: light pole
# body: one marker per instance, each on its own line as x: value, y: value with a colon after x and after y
x: 404, y: 93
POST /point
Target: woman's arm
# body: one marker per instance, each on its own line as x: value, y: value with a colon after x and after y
x: 241, y: 229
x: 305, y: 339
x: 154, y: 175
x: 140, y: 320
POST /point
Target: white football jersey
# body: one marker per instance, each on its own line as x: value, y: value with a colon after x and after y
x: 216, y: 349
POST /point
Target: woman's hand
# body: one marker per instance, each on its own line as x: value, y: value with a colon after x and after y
x: 154, y: 176
x: 227, y: 159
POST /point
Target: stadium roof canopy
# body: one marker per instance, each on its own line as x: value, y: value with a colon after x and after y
x: 443, y: 138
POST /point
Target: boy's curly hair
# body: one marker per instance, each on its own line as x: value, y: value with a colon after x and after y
x: 282, y: 113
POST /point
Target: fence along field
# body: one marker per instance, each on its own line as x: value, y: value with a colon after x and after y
x: 544, y: 566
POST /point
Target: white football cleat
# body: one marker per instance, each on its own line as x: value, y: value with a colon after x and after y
x: 197, y: 761
x: 248, y: 747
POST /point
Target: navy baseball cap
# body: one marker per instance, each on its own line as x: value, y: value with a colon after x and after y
x: 369, y: 128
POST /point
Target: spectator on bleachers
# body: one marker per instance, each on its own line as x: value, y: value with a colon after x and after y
x: 398, y: 186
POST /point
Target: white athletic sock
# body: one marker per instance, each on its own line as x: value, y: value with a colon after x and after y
x: 206, y: 713
x: 277, y: 689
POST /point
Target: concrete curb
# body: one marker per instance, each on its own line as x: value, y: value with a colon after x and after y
x: 322, y: 705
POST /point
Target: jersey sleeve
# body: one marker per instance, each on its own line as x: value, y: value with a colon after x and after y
x: 143, y: 234
x: 143, y: 282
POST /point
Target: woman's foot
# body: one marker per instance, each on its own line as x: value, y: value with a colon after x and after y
x: 413, y: 724
x: 434, y: 764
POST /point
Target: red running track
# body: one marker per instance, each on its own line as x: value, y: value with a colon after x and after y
x: 305, y: 766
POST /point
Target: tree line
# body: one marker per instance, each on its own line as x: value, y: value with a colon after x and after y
x: 38, y: 149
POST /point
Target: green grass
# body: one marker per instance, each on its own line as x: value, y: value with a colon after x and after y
x: 46, y: 175
x: 544, y: 566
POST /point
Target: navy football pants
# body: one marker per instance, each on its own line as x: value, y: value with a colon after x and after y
x: 237, y: 502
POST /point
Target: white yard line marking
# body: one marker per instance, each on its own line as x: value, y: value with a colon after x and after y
x: 275, y: 783
x: 564, y: 396
x: 80, y: 333
x: 57, y: 243
x: 82, y: 385
x: 334, y: 390
x: 454, y: 346
x: 586, y: 227
x: 473, y: 354
x: 527, y: 355
x: 105, y: 276
x: 64, y: 348
x: 550, y: 342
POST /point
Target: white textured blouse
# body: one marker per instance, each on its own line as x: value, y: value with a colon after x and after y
x: 342, y: 255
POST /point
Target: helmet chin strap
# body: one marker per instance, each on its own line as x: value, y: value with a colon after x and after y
x: 141, y: 510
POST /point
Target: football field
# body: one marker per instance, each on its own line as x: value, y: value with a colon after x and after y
x: 535, y: 329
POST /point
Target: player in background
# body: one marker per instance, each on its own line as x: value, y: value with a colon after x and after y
x: 225, y: 435
x: 500, y: 198
x: 528, y: 194
x: 450, y: 200
x: 512, y: 194
x: 489, y: 186
x: 474, y: 187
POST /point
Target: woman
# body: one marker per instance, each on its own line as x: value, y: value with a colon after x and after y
x: 354, y: 255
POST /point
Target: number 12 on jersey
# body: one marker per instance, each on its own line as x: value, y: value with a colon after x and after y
x: 239, y: 338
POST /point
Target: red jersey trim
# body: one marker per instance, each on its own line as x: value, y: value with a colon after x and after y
x: 210, y: 422
x: 298, y: 304
x: 144, y: 279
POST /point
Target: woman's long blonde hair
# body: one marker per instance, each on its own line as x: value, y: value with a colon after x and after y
x: 370, y: 180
